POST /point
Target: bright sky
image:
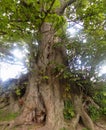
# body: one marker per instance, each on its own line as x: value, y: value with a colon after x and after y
x: 9, y: 71
x: 73, y: 29
x: 102, y: 70
x: 13, y: 70
x: 18, y: 54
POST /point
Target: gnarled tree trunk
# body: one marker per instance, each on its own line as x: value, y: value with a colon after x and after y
x: 44, y: 103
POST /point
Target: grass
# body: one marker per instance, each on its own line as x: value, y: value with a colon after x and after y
x: 7, y: 116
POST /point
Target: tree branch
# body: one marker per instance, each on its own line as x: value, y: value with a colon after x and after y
x: 48, y: 11
x: 64, y: 5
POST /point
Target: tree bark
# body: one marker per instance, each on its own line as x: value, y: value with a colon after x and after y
x: 79, y: 110
x: 50, y: 88
x: 44, y: 103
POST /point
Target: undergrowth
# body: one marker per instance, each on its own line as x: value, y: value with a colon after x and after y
x: 100, y: 99
x: 68, y: 110
x: 7, y: 116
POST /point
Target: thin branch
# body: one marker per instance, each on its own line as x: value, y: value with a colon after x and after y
x: 75, y: 22
x: 64, y: 5
x: 92, y: 102
x: 48, y: 11
x: 2, y: 33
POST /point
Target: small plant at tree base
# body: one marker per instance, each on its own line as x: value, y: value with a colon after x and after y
x: 63, y: 128
x: 94, y: 112
x: 100, y: 98
x: 7, y: 116
x: 68, y: 110
x: 18, y: 92
x: 85, y: 129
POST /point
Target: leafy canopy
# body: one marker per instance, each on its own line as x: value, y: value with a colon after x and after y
x: 21, y: 19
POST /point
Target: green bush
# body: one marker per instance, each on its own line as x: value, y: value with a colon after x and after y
x: 104, y: 111
x: 94, y: 112
x: 100, y: 98
x: 68, y: 110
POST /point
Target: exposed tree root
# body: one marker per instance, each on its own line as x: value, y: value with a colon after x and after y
x: 87, y: 120
x: 35, y: 113
x: 74, y: 122
x: 6, y: 124
x: 100, y: 126
x: 79, y: 110
x: 22, y: 125
x: 91, y: 101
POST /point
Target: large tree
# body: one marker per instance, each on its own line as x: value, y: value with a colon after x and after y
x: 44, y: 21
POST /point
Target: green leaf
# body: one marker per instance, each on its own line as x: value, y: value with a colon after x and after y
x: 45, y: 77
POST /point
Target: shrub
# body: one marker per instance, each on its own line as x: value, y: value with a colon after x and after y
x: 68, y: 110
x: 100, y: 98
x: 94, y: 112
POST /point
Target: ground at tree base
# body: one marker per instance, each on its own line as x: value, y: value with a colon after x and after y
x: 100, y: 125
